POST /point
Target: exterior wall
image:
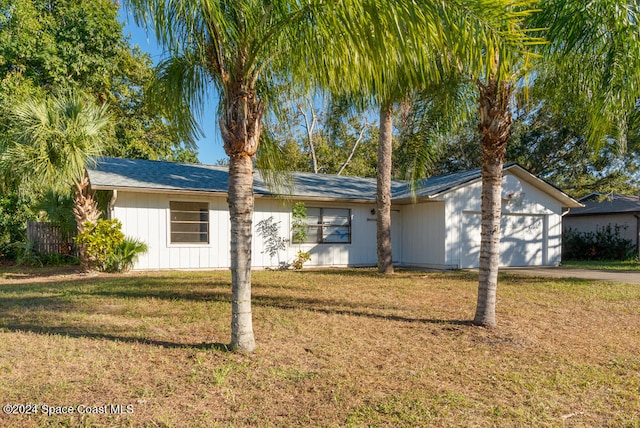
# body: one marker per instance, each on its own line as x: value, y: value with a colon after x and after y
x: 430, y: 234
x: 360, y: 252
x: 423, y: 235
x: 145, y: 216
x: 590, y: 223
x: 526, y: 200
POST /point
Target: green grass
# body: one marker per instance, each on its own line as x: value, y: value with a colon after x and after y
x: 627, y: 265
x: 335, y: 348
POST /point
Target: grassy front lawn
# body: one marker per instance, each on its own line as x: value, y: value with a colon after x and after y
x: 335, y: 348
x: 628, y: 265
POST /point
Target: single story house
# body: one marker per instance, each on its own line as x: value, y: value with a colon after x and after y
x: 601, y: 210
x: 180, y: 211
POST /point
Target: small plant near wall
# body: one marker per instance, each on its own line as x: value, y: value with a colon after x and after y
x: 273, y: 242
x: 107, y: 249
x: 301, y: 258
x: 299, y: 233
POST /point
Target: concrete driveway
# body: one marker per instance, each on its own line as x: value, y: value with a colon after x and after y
x: 559, y: 272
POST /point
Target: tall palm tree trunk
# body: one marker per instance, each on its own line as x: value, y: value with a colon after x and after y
x: 495, y: 124
x: 85, y: 210
x: 383, y: 196
x: 241, y: 211
x: 241, y: 126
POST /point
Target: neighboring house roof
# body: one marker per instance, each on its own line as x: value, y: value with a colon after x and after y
x: 146, y: 175
x: 600, y: 204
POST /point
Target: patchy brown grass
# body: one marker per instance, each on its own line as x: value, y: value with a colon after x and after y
x: 335, y: 348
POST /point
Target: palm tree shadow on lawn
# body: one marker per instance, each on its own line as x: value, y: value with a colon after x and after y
x: 69, y: 300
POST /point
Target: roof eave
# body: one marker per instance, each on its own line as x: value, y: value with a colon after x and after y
x: 156, y: 190
x: 195, y: 192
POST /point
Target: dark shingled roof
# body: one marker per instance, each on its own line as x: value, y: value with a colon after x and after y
x: 140, y: 175
x: 598, y: 204
x: 432, y: 186
x: 115, y: 173
x: 136, y: 174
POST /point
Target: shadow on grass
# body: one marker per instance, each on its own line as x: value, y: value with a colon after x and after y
x: 399, y: 272
x: 61, y: 303
x: 22, y: 309
x: 23, y: 306
x: 68, y: 332
x: 215, y: 346
x: 332, y: 307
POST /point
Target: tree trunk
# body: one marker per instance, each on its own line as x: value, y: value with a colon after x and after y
x: 241, y: 126
x: 241, y: 213
x: 85, y: 210
x: 310, y: 126
x: 354, y: 148
x: 383, y: 196
x: 495, y: 124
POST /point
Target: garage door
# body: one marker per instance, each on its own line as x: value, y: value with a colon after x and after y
x: 521, y: 242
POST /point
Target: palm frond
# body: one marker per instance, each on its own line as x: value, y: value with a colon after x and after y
x: 179, y: 90
x: 273, y: 166
x: 594, y: 53
x: 53, y: 139
x: 431, y: 116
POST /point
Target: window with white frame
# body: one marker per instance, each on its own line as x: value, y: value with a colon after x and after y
x: 328, y: 225
x: 189, y: 222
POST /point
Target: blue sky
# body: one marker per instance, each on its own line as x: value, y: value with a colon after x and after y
x: 210, y: 146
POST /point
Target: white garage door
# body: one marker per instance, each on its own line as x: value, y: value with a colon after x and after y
x: 521, y: 242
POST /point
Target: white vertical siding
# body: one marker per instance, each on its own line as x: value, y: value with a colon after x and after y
x: 457, y: 203
x: 423, y: 234
x: 280, y: 211
x: 540, y: 209
x: 426, y: 234
x: 145, y: 216
x: 360, y: 252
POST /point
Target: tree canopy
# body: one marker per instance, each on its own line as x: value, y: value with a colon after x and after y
x: 51, y: 47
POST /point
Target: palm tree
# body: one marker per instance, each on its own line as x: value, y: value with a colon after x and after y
x: 49, y: 143
x: 409, y: 58
x: 503, y: 69
x: 592, y: 47
x: 244, y: 50
x: 495, y: 123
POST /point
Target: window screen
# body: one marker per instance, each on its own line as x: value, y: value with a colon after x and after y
x: 328, y: 225
x: 189, y: 222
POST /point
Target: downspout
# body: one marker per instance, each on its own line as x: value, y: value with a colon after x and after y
x: 637, y: 234
x: 564, y: 213
x: 112, y: 203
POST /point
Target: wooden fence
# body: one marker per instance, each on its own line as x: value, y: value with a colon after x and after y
x: 48, y: 239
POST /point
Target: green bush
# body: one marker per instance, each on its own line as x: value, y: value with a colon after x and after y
x: 106, y: 247
x: 26, y: 254
x: 14, y: 214
x: 603, y: 244
x: 125, y: 255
